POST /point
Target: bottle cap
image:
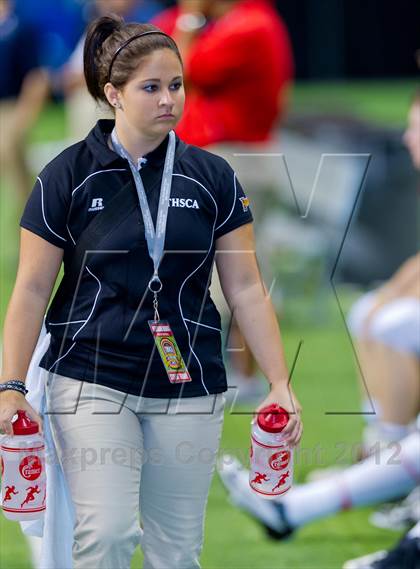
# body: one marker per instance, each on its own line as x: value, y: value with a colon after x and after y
x: 272, y: 418
x: 24, y: 424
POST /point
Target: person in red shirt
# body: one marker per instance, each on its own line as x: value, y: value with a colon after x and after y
x: 238, y: 63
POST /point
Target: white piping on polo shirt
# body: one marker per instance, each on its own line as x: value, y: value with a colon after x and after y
x: 84, y: 181
x: 60, y: 358
x: 43, y: 211
x: 194, y: 271
x: 86, y: 267
x: 84, y: 321
x: 98, y: 172
x: 64, y: 323
x: 74, y: 243
x: 71, y: 236
x: 233, y: 205
x: 94, y: 302
x: 201, y: 324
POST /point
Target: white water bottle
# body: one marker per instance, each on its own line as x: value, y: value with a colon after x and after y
x: 23, y: 488
x: 271, y: 469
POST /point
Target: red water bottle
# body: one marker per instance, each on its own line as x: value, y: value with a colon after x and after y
x: 271, y: 471
x: 23, y: 488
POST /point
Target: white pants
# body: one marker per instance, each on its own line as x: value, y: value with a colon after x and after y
x: 122, y: 454
x: 396, y: 324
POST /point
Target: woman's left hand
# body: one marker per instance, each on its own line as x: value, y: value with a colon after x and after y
x: 282, y: 394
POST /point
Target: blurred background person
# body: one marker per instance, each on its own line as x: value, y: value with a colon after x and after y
x: 82, y: 111
x: 238, y: 67
x: 238, y: 70
x: 386, y: 326
x: 24, y: 87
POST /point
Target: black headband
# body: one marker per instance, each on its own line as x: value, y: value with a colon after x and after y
x: 125, y: 44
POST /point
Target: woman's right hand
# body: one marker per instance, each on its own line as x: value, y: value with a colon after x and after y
x: 10, y: 401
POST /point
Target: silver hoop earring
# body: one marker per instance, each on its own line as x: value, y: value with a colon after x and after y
x: 118, y: 106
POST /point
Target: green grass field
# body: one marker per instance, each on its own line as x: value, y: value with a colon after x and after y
x: 379, y: 102
x: 324, y: 380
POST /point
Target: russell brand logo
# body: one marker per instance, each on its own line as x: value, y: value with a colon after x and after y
x: 97, y: 204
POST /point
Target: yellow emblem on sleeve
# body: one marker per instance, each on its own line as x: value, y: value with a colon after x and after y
x: 245, y: 203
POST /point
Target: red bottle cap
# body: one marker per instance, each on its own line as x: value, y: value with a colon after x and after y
x: 273, y: 418
x: 24, y: 424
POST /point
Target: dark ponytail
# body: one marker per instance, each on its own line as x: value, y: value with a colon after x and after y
x: 104, y: 37
x: 98, y: 31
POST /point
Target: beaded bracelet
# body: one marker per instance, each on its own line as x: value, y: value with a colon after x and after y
x: 15, y: 385
x: 15, y: 382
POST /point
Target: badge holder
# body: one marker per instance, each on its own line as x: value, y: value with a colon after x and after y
x: 165, y: 341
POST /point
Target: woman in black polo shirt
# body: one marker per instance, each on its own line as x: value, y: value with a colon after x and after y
x: 135, y: 369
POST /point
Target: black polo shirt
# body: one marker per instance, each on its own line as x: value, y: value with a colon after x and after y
x: 105, y: 337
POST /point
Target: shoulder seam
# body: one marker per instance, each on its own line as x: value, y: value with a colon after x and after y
x: 98, y: 172
x: 43, y: 212
x: 233, y: 204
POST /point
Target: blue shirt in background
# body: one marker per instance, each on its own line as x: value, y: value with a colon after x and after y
x: 17, y: 55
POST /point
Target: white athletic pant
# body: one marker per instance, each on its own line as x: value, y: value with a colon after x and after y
x: 123, y: 453
x: 397, y: 324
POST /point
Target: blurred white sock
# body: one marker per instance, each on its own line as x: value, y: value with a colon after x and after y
x: 393, y: 431
x: 384, y: 476
x: 379, y: 435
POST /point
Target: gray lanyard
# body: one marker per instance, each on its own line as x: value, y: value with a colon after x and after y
x: 155, y: 238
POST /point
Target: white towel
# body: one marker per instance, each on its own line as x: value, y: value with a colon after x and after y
x: 56, y: 528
